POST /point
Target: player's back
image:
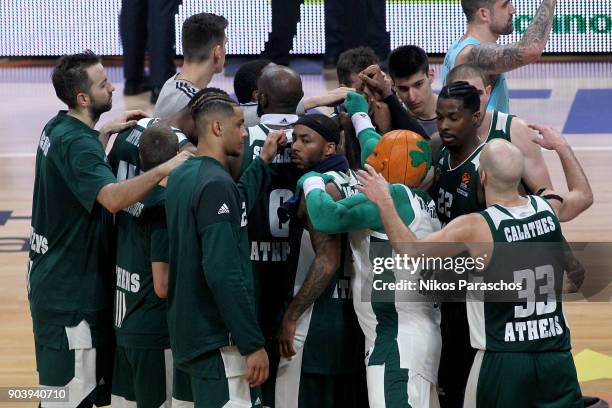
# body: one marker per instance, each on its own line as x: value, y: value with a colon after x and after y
x: 396, y: 317
x: 528, y: 251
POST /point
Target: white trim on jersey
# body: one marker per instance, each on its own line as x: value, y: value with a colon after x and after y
x: 471, y: 387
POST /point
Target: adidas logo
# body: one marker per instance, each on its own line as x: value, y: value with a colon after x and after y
x: 257, y: 401
x: 224, y: 209
x: 284, y: 121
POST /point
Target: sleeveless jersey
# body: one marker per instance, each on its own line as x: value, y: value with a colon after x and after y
x: 456, y: 188
x: 535, y: 322
x: 388, y: 318
x: 328, y: 329
x: 268, y: 236
x: 500, y: 99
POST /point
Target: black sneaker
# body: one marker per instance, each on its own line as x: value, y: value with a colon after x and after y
x: 136, y: 88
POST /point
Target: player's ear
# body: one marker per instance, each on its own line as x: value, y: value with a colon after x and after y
x: 488, y: 89
x: 476, y: 118
x: 83, y: 100
x: 217, y: 127
x: 330, y: 148
x: 484, y: 14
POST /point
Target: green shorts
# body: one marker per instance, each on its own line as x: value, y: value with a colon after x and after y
x: 142, y: 377
x: 218, y: 380
x: 65, y: 357
x: 523, y: 380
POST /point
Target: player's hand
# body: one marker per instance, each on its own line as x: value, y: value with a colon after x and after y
x: 331, y: 98
x: 257, y: 367
x: 551, y: 139
x: 377, y: 81
x: 355, y: 103
x: 374, y: 186
x: 167, y: 167
x: 270, y: 148
x: 124, y: 121
x: 286, y: 337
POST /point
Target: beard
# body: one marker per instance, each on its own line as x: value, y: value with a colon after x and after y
x: 506, y: 29
x: 98, y: 108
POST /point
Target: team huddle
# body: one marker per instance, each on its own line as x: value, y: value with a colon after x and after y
x: 226, y: 253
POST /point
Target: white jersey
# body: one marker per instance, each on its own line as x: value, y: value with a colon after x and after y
x: 174, y: 96
x: 416, y: 326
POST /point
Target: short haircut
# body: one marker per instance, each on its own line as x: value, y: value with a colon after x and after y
x: 158, y: 144
x: 465, y: 71
x: 407, y: 60
x: 470, y: 7
x: 245, y: 80
x: 464, y: 92
x: 354, y: 61
x: 211, y: 100
x: 70, y: 76
x: 201, y: 33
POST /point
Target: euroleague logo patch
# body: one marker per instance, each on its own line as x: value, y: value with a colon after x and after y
x: 465, y: 181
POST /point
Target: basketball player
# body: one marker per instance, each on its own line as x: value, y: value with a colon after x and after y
x: 402, y: 336
x: 536, y: 176
x: 69, y: 279
x: 412, y: 79
x: 524, y: 354
x: 143, y: 370
x: 212, y: 322
x: 487, y: 20
x: 319, y: 341
x: 204, y: 41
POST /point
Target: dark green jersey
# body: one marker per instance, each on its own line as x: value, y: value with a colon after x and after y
x: 328, y: 330
x: 124, y: 158
x: 456, y: 188
x: 140, y: 316
x: 535, y: 322
x: 70, y: 265
x: 211, y: 300
x: 142, y: 238
x: 268, y: 236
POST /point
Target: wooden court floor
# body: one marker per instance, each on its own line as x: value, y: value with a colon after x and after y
x: 27, y: 101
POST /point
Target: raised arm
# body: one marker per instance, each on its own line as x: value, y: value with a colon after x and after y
x: 523, y: 137
x: 357, y: 109
x: 580, y: 196
x: 495, y: 59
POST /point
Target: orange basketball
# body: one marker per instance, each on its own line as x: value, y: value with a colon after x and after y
x: 401, y: 156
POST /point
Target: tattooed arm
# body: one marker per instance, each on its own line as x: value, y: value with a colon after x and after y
x: 326, y: 263
x: 495, y: 59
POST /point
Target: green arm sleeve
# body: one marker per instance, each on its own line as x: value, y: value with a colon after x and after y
x: 254, y: 180
x: 349, y: 214
x: 368, y: 138
x: 353, y: 213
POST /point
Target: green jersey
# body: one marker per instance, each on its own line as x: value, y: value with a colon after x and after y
x: 211, y: 300
x: 124, y: 157
x: 70, y: 261
x: 328, y: 329
x: 268, y: 236
x: 142, y: 238
x: 535, y: 323
x: 457, y: 188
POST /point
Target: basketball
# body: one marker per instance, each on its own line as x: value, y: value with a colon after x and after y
x: 402, y: 156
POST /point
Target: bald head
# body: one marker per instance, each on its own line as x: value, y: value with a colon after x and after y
x: 280, y: 90
x: 503, y: 165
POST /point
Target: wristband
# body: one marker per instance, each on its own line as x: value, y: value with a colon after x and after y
x: 361, y: 121
x: 313, y: 183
